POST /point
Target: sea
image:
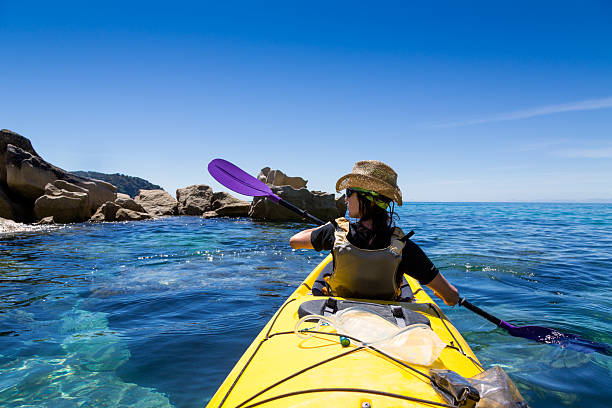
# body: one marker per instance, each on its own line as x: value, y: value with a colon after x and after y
x: 156, y: 313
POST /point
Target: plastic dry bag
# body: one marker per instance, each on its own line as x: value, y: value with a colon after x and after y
x: 415, y: 344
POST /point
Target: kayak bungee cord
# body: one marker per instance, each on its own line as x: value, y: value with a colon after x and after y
x: 431, y: 306
x: 255, y: 352
x: 369, y: 347
x: 361, y: 390
x: 298, y: 373
x: 460, y: 349
x: 241, y: 405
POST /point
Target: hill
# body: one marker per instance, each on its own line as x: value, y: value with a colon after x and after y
x: 125, y: 184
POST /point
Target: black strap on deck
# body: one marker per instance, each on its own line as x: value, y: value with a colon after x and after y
x: 331, y: 307
x: 398, y: 313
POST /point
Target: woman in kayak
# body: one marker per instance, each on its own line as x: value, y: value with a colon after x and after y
x: 371, y: 255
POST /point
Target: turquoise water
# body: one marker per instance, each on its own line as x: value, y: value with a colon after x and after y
x: 156, y: 313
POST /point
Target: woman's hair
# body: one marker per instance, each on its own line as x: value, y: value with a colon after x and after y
x: 382, y: 220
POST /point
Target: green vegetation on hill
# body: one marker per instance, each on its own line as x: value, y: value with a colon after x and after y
x: 125, y: 184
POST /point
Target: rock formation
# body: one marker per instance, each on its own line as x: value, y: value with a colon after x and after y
x: 125, y: 214
x: 157, y: 202
x: 120, y: 210
x: 65, y: 202
x: 293, y: 189
x: 26, y: 178
x: 106, y: 212
x: 8, y: 137
x: 278, y: 178
x: 11, y: 207
x: 33, y: 189
x: 320, y: 204
x: 341, y: 205
x: 226, y: 205
x: 194, y: 200
x: 126, y: 202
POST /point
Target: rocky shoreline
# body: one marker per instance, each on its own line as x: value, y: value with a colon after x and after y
x: 33, y: 191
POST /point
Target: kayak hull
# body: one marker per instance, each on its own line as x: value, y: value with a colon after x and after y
x: 279, y: 369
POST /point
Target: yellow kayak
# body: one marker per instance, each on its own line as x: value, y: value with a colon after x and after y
x: 282, y: 369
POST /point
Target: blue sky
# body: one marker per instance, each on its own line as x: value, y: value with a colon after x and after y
x: 476, y: 101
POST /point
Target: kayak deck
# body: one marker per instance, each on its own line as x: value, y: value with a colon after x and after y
x: 279, y: 369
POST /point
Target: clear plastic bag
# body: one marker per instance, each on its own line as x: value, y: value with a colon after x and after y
x: 489, y: 389
x: 497, y: 389
x: 415, y: 344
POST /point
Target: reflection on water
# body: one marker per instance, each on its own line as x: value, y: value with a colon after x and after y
x: 156, y: 313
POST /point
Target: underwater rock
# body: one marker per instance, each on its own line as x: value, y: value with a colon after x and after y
x: 96, y: 350
x: 77, y: 320
x: 54, y: 382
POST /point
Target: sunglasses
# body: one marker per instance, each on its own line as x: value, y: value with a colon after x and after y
x: 349, y: 192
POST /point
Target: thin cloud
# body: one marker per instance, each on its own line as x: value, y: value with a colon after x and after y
x: 591, y: 104
x: 600, y: 153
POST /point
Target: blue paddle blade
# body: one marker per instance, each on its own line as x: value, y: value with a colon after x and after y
x: 238, y: 180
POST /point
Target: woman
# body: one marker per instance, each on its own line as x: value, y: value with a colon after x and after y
x: 370, y: 255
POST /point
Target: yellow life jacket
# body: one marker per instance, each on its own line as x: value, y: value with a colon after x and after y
x: 365, y: 273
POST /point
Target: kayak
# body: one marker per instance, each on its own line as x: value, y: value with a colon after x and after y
x: 314, y: 365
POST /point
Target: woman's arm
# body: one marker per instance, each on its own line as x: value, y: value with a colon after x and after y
x: 444, y: 290
x: 301, y: 240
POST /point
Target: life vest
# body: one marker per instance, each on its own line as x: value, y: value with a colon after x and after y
x: 365, y: 273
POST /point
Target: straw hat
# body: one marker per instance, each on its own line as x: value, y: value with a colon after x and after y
x: 372, y: 175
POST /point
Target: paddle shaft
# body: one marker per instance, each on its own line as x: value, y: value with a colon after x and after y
x: 480, y: 312
x: 302, y: 213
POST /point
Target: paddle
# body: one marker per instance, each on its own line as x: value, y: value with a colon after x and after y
x: 542, y: 334
x: 242, y: 182
x: 238, y: 180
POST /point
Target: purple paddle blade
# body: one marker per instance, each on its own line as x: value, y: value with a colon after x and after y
x: 552, y: 336
x: 238, y: 180
x: 542, y: 334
